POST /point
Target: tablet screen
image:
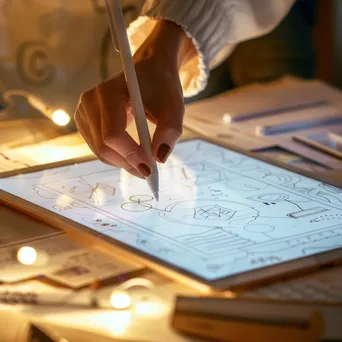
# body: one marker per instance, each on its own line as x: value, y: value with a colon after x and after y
x: 220, y: 213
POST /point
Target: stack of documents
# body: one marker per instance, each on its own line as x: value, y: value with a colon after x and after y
x: 261, y: 116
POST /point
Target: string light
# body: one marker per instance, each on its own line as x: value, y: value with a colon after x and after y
x: 150, y: 308
x: 59, y: 116
x: 226, y: 118
x: 27, y: 255
x: 120, y: 300
x: 121, y: 303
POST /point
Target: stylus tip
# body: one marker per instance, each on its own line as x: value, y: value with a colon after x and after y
x: 156, y: 196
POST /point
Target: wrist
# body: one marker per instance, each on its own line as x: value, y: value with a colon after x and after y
x: 167, y: 44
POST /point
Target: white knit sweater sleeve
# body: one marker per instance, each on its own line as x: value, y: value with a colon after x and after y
x: 215, y: 27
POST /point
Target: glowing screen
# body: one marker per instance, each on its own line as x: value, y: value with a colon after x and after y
x: 220, y: 212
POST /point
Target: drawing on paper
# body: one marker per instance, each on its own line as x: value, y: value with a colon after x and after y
x: 219, y: 213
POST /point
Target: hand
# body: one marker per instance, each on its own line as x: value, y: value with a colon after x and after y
x: 105, y: 111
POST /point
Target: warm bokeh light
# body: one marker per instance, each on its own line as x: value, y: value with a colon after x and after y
x: 151, y: 308
x: 60, y: 117
x: 118, y: 322
x: 120, y: 300
x: 64, y: 201
x: 27, y: 255
x: 226, y: 118
x: 229, y: 294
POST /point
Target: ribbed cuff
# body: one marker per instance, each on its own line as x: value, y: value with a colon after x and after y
x: 206, y: 34
x: 215, y: 27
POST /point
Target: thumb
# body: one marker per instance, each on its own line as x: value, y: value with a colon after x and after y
x: 168, y: 132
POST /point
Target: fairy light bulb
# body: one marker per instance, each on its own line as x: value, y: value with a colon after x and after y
x: 60, y: 117
x: 27, y: 255
x: 226, y: 117
x: 120, y: 300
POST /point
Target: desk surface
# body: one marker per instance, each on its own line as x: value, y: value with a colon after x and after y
x: 125, y: 324
x: 133, y: 324
x: 148, y: 320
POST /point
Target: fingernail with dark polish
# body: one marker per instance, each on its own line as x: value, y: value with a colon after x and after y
x: 163, y: 152
x: 144, y: 169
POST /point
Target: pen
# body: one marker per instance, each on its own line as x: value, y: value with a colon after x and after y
x: 245, y: 116
x: 288, y: 127
x: 120, y: 40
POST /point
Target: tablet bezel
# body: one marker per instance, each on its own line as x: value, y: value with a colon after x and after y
x: 233, y: 282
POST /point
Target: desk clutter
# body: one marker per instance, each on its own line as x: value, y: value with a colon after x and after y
x: 43, y: 271
x: 290, y: 117
x: 213, y: 318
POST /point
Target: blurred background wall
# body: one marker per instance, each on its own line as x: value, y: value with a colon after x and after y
x: 329, y: 41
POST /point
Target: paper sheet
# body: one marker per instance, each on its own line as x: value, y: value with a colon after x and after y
x: 62, y: 148
x: 53, y: 251
x: 228, y: 135
x: 12, y: 160
x: 287, y: 157
x: 312, y: 154
x: 64, y: 261
x: 265, y: 98
x: 211, y: 117
x: 16, y: 228
x: 26, y: 131
x: 88, y: 266
x: 36, y: 287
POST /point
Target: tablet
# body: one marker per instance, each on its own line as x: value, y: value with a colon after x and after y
x: 224, y: 218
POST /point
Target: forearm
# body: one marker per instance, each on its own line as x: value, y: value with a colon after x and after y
x: 167, y: 43
x: 214, y: 26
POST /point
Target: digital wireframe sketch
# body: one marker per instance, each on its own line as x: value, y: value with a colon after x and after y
x: 220, y: 212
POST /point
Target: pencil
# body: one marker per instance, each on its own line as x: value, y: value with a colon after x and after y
x: 120, y: 40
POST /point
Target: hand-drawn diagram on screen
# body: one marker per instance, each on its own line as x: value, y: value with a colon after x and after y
x: 219, y: 212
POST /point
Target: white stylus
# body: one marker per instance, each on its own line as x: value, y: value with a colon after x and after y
x: 120, y: 40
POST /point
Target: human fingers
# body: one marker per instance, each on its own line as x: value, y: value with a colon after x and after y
x: 115, y: 159
x: 169, y: 127
x: 114, y: 133
x: 83, y: 128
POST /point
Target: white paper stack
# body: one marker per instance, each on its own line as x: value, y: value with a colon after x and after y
x: 261, y: 116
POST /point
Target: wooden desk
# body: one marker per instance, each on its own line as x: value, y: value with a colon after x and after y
x: 150, y: 323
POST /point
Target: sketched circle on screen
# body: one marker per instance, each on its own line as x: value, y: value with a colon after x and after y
x: 209, y: 213
x: 273, y: 197
x: 138, y: 203
x: 259, y: 228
